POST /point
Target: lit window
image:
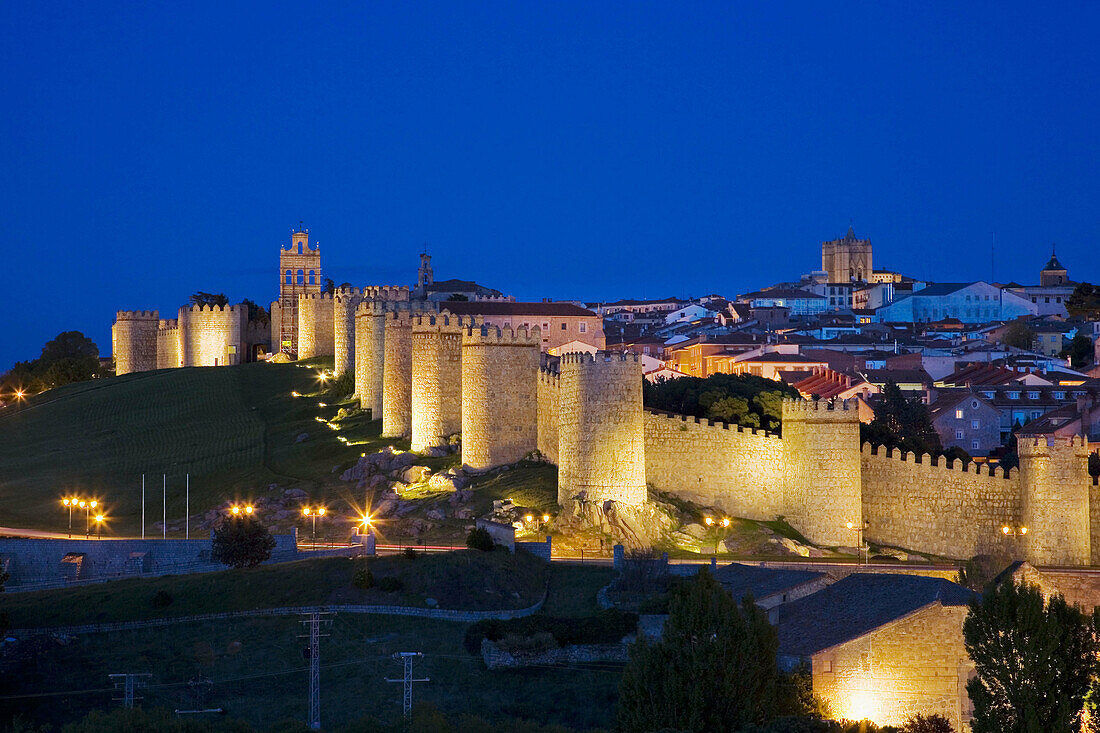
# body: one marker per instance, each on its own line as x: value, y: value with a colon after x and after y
x: 1013, y: 395
x: 1059, y: 395
x: 958, y: 414
x: 1033, y: 395
x: 975, y: 424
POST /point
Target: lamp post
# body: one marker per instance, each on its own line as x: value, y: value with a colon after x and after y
x: 858, y: 529
x: 99, y: 525
x: 313, y: 513
x: 716, y: 523
x: 88, y: 506
x: 70, y: 503
x: 237, y: 510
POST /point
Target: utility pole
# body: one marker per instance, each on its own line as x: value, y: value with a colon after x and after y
x: 164, y: 505
x: 127, y: 683
x: 187, y: 510
x: 314, y: 620
x: 143, y: 506
x: 407, y: 659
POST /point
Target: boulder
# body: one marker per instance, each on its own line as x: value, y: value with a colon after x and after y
x: 443, y: 482
x: 460, y: 497
x: 385, y: 507
x: 435, y: 452
x: 695, y: 530
x: 301, y: 437
x: 415, y: 474
x: 295, y: 494
x: 435, y: 514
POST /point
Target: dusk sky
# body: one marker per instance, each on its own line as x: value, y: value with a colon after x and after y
x: 573, y: 150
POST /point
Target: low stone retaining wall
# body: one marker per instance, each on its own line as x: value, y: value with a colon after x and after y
x: 496, y: 658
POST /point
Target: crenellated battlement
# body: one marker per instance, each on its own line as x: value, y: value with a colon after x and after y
x: 168, y: 324
x: 442, y: 322
x: 935, y: 464
x: 690, y: 422
x: 315, y: 296
x: 817, y: 410
x: 239, y: 308
x: 307, y: 248
x: 498, y: 336
x: 347, y: 293
x: 1076, y: 445
x: 387, y: 292
x: 606, y: 357
x: 137, y: 315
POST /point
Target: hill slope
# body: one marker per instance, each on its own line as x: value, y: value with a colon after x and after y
x: 233, y: 429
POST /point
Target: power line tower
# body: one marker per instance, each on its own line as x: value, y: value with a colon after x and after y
x: 127, y: 683
x: 407, y: 659
x: 313, y: 653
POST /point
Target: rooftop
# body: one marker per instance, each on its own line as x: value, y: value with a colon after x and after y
x: 502, y: 308
x: 857, y: 605
x: 761, y: 582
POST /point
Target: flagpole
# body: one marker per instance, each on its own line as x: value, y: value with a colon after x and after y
x: 164, y: 505
x: 143, y: 506
x: 187, y: 511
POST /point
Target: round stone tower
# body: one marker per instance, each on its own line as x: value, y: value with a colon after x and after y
x: 601, y: 429
x: 134, y: 341
x: 1054, y: 500
x: 344, y: 303
x: 499, y: 394
x: 370, y: 319
x: 824, y: 491
x: 397, y: 375
x: 436, y: 379
x: 315, y: 334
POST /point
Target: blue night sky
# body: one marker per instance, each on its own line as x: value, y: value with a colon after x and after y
x: 589, y: 150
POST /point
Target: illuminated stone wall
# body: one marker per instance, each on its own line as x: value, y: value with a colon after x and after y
x: 369, y: 355
x: 436, y: 379
x: 737, y: 469
x: 397, y: 376
x: 500, y: 371
x: 212, y: 335
x: 601, y: 430
x: 168, y: 344
x: 917, y: 664
x: 1055, y: 500
x: 344, y: 303
x: 134, y: 341
x: 315, y: 325
x: 547, y: 395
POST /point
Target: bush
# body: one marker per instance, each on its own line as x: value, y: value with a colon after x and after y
x: 479, y: 539
x: 605, y: 627
x: 927, y: 724
x: 242, y: 542
x: 390, y: 584
x: 161, y: 599
x: 410, y: 553
x: 364, y: 578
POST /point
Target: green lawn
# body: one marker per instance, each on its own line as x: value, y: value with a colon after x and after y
x: 232, y: 429
x: 466, y: 579
x: 257, y: 671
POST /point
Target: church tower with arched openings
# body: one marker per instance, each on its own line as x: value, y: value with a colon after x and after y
x: 299, y: 273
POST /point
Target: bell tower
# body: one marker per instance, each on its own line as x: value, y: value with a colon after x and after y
x: 299, y: 272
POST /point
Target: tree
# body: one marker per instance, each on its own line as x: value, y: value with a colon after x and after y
x: 211, y: 299
x: 479, y: 539
x: 329, y: 286
x: 927, y: 724
x: 1084, y: 302
x: 242, y: 542
x: 256, y: 312
x: 69, y: 357
x: 712, y: 670
x: 1079, y: 351
x: 457, y: 298
x: 1094, y: 464
x: 741, y: 398
x: 902, y: 422
x: 1034, y: 661
x: 1019, y: 336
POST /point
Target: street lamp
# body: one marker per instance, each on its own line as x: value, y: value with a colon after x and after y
x: 313, y: 513
x: 237, y: 510
x: 70, y: 503
x: 87, y: 506
x: 859, y: 538
x: 99, y: 525
x: 1010, y: 531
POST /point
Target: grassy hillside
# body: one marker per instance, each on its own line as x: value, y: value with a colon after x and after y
x: 233, y: 429
x: 466, y: 580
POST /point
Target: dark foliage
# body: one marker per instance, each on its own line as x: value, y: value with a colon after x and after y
x: 1084, y: 302
x: 256, y: 312
x: 605, y: 627
x: 1094, y: 464
x: 644, y: 571
x: 242, y: 542
x: 1018, y: 335
x: 712, y: 670
x: 927, y: 724
x: 1035, y: 661
x: 410, y: 554
x: 457, y: 297
x: 1079, y: 351
x: 364, y: 578
x: 68, y: 358
x: 977, y: 572
x: 803, y: 724
x: 735, y: 398
x: 161, y: 599
x: 480, y: 539
x: 211, y: 299
x: 328, y: 286
x: 390, y: 584
x: 901, y: 422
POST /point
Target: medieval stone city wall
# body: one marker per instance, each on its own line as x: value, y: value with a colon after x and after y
x: 548, y: 392
x: 955, y: 511
x: 168, y: 344
x: 500, y: 370
x: 397, y: 375
x: 315, y: 325
x: 601, y: 430
x: 1054, y: 500
x: 212, y: 335
x: 134, y: 341
x: 344, y: 303
x: 821, y: 463
x: 369, y: 355
x: 737, y: 469
x: 275, y: 311
x: 436, y: 378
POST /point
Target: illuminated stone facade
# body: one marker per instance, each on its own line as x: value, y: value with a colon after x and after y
x: 847, y: 259
x: 436, y: 378
x: 499, y: 395
x: 299, y: 274
x: 134, y: 341
x: 315, y: 325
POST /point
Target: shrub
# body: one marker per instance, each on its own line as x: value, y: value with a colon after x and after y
x: 605, y: 627
x: 479, y: 539
x: 161, y: 599
x: 927, y: 724
x: 242, y: 542
x: 390, y: 584
x: 364, y: 578
x: 410, y: 553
